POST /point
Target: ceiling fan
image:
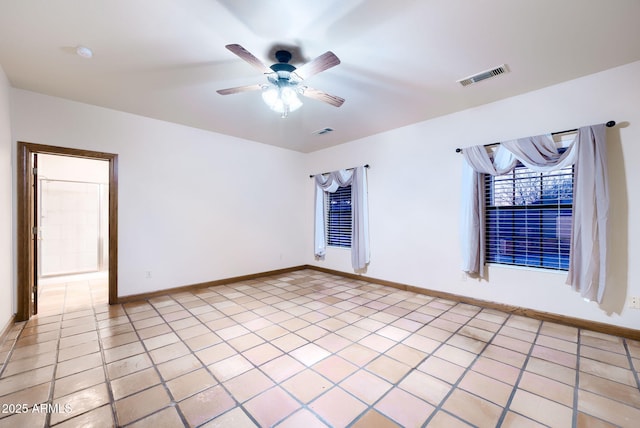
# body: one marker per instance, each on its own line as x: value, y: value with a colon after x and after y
x: 284, y: 81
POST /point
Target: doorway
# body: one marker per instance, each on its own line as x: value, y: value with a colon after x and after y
x: 102, y: 256
x: 72, y: 260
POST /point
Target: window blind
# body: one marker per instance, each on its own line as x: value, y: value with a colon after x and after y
x: 339, y: 222
x: 528, y: 218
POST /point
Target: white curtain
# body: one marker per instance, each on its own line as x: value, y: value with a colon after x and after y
x: 330, y: 182
x: 588, y: 251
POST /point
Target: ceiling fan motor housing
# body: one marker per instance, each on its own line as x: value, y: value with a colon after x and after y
x: 283, y: 56
x: 283, y: 65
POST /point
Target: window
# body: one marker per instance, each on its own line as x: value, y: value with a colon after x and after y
x: 528, y: 218
x: 338, y: 219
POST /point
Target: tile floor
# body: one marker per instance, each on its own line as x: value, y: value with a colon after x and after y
x: 307, y: 349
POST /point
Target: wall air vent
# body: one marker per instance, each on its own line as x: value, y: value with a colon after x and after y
x: 484, y: 75
x: 322, y: 131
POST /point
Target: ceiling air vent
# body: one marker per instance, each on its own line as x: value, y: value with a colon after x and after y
x: 484, y: 75
x: 322, y: 131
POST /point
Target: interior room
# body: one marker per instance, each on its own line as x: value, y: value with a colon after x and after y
x: 72, y: 211
x: 231, y: 298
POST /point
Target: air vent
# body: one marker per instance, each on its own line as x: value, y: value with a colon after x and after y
x: 323, y: 131
x: 484, y: 75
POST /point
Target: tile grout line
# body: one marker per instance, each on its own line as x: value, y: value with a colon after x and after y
x: 368, y: 407
x: 47, y: 421
x: 279, y: 384
x: 630, y: 360
x: 273, y: 292
x: 112, y: 404
x: 278, y: 323
x: 172, y: 402
x: 163, y: 382
x: 467, y: 369
x: 334, y: 384
x: 8, y: 358
x: 396, y: 384
x: 64, y: 310
x: 3, y: 366
x: 631, y: 369
x: 107, y: 379
x: 206, y: 367
x: 57, y: 362
x: 238, y: 403
x: 576, y: 388
x: 515, y: 388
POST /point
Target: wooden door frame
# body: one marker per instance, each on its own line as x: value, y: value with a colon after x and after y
x: 24, y: 204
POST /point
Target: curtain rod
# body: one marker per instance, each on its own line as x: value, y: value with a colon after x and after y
x: 313, y: 175
x: 609, y: 124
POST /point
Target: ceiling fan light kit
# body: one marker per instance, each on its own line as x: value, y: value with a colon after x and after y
x: 284, y: 80
x: 281, y: 93
x: 281, y: 98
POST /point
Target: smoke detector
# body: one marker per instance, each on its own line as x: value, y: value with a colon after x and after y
x: 84, y: 52
x: 484, y: 75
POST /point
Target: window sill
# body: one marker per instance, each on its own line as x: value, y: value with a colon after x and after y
x: 526, y: 268
x: 335, y: 247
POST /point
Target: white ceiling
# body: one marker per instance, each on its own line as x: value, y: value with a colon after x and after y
x: 165, y: 59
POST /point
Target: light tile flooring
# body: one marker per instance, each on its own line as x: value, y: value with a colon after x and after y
x: 307, y: 349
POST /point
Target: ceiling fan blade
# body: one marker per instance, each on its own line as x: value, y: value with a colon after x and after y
x: 239, y: 89
x: 322, y: 96
x: 248, y: 57
x: 315, y: 66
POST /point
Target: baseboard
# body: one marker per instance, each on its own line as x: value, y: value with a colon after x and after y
x: 145, y: 296
x: 600, y: 327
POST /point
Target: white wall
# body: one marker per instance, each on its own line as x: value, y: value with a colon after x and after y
x: 198, y: 206
x: 414, y: 184
x: 194, y: 206
x: 7, y: 295
x: 54, y: 167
